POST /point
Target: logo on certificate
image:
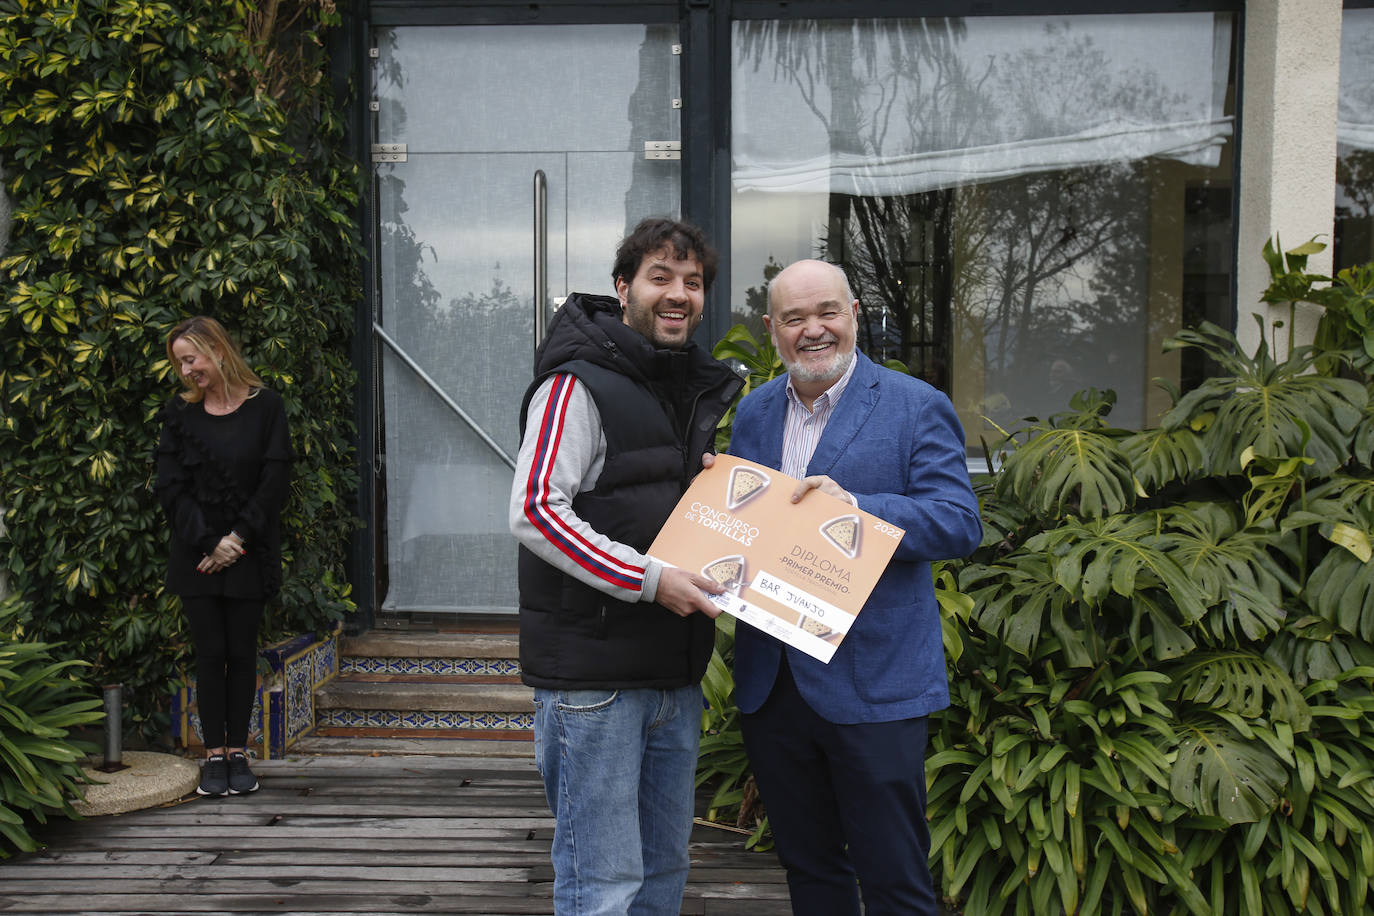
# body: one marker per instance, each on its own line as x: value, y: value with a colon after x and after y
x: 745, y: 483
x: 843, y: 532
x: 727, y: 572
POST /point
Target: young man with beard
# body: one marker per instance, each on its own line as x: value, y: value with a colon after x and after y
x: 615, y: 644
x: 838, y: 749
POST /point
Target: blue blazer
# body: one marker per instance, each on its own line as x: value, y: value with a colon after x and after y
x: 897, y: 445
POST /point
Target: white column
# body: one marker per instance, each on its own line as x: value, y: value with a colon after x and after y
x: 1291, y: 76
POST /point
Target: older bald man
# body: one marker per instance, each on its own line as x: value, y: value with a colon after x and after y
x: 838, y: 749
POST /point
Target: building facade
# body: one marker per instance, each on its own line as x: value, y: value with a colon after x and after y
x: 1029, y: 199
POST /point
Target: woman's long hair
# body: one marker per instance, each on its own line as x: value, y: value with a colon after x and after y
x: 209, y: 337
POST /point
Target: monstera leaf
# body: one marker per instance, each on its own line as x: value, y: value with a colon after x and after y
x: 1118, y: 555
x: 1022, y: 603
x: 1267, y: 406
x: 1341, y: 589
x: 1068, y: 471
x: 1218, y: 772
x: 1343, y: 498
x: 1235, y: 568
x: 1364, y: 436
x: 1168, y: 639
x: 757, y: 355
x: 1160, y: 456
x: 1313, y: 649
x: 1243, y: 683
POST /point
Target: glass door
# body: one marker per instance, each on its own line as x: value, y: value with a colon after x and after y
x: 508, y: 162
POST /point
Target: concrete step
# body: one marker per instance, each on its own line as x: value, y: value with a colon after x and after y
x: 372, y: 746
x: 346, y: 693
x: 431, y: 644
x: 431, y: 654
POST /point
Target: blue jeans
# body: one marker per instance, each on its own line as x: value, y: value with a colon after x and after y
x: 619, y: 768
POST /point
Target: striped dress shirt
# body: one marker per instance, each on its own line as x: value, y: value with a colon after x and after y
x: 803, y: 429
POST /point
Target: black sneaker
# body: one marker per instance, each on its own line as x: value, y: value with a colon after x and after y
x: 241, y: 779
x: 214, y: 777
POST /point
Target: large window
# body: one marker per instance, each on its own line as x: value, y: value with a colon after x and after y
x: 1354, y: 236
x: 1025, y: 206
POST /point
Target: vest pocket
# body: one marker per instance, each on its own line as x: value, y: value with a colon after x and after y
x: 583, y: 609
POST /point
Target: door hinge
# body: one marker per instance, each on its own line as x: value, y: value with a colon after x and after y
x: 662, y: 149
x: 388, y: 152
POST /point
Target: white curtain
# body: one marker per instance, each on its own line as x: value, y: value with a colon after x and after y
x: 901, y: 107
x: 1355, y: 127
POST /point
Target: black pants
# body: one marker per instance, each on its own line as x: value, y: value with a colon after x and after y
x: 847, y: 805
x: 225, y: 633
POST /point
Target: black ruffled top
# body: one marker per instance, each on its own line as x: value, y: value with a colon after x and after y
x: 217, y: 474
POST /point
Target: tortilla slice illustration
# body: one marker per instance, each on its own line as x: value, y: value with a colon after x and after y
x: 843, y: 532
x: 728, y: 572
x: 745, y: 483
x: 820, y: 630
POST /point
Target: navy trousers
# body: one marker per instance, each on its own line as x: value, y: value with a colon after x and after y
x: 847, y: 807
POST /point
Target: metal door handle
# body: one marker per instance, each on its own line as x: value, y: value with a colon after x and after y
x: 541, y: 256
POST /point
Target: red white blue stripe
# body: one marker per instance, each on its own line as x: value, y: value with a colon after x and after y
x: 542, y: 516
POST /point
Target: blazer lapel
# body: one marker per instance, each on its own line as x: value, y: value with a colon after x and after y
x: 851, y: 413
x: 772, y: 421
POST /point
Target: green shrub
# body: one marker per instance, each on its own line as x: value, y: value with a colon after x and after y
x: 1161, y: 657
x: 40, y: 767
x: 1163, y: 700
x: 164, y: 160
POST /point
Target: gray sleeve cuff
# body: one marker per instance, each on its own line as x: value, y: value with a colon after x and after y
x: 652, y: 570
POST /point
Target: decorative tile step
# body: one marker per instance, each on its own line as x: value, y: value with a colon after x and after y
x: 381, y: 677
x: 426, y: 691
x: 413, y: 666
x: 412, y: 721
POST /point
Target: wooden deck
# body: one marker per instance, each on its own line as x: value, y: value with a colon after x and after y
x: 375, y: 835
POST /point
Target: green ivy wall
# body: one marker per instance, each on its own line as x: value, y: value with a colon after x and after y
x: 162, y: 160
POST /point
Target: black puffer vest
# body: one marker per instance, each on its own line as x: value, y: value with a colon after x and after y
x: 572, y: 635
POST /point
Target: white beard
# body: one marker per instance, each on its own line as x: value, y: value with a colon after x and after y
x: 821, y: 373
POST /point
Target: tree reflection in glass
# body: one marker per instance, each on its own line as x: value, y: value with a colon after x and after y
x: 1009, y: 197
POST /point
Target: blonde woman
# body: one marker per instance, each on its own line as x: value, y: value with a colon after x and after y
x: 223, y: 472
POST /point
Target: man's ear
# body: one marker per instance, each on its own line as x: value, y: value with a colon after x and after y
x: 622, y: 289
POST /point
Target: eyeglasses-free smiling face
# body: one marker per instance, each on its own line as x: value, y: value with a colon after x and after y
x: 665, y: 299
x: 813, y: 324
x: 201, y: 369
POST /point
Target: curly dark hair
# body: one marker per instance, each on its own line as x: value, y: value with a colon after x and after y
x: 654, y: 233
